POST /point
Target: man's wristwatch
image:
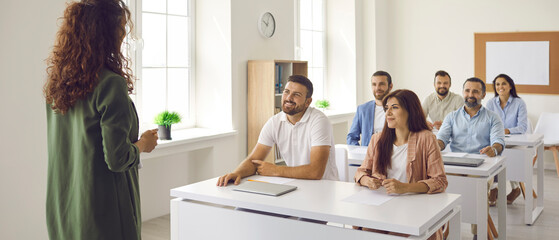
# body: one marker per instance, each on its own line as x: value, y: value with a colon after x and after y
x: 495, y: 151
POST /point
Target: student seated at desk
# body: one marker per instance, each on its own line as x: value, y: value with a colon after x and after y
x: 512, y: 111
x: 473, y: 128
x: 404, y: 157
x: 303, y: 135
x: 369, y: 117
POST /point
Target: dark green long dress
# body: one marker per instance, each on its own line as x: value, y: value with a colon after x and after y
x: 92, y: 186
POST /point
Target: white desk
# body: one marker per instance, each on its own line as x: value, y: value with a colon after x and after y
x: 472, y: 187
x: 205, y: 211
x: 471, y: 183
x: 519, y: 168
x: 355, y: 156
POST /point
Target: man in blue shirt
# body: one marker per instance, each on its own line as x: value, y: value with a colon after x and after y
x: 369, y: 117
x: 473, y: 128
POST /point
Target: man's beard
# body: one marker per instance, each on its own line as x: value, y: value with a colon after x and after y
x: 294, y: 110
x: 381, y: 96
x: 441, y: 93
x: 471, y: 104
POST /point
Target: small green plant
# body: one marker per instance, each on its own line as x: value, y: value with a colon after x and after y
x: 167, y: 118
x: 322, y: 104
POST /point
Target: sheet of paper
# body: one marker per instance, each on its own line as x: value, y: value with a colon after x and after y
x: 278, y: 180
x: 369, y: 197
x: 454, y: 154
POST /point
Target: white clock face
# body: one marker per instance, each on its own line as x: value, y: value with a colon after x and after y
x: 267, y: 25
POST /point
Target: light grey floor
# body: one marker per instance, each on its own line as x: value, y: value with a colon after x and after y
x: 545, y: 227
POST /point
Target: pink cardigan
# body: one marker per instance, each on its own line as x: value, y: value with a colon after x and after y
x: 425, y: 163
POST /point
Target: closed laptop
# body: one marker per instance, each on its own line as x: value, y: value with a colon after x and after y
x: 462, y: 161
x: 271, y: 189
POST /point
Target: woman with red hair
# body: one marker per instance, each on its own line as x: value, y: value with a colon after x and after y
x: 404, y: 157
x: 92, y: 127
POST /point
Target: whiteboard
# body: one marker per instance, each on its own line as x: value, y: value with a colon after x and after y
x: 526, y: 62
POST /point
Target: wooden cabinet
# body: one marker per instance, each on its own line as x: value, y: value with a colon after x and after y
x: 266, y: 80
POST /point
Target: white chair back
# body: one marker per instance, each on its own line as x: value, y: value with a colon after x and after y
x: 549, y: 127
x: 342, y: 162
x: 530, y: 128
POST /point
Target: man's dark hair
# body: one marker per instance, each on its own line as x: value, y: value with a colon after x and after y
x: 475, y: 79
x: 383, y: 73
x: 303, y: 81
x: 442, y: 73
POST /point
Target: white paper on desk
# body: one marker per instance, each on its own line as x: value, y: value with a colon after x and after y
x: 369, y: 197
x: 277, y: 180
x: 454, y: 154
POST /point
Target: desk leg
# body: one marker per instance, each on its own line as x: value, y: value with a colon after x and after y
x: 454, y: 226
x: 481, y: 208
x: 175, y: 218
x: 502, y: 204
x: 529, y: 198
x: 534, y: 212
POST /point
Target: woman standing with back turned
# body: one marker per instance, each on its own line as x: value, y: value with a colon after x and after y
x: 92, y: 127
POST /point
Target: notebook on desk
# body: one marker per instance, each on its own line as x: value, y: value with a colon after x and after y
x: 462, y: 161
x: 270, y: 189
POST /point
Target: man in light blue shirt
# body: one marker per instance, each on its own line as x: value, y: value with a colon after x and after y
x: 369, y: 117
x: 473, y: 128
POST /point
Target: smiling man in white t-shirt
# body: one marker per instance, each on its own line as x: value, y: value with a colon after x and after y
x: 303, y: 136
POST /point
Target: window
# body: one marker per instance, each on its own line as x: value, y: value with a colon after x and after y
x: 311, y: 43
x: 162, y: 59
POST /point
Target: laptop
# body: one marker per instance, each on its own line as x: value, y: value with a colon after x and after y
x: 270, y: 189
x: 461, y: 161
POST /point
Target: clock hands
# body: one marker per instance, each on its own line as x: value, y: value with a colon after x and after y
x: 266, y: 22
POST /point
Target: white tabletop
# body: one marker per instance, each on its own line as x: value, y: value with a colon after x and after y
x: 523, y: 139
x: 486, y: 169
x: 322, y: 200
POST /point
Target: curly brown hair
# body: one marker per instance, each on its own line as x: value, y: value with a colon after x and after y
x: 88, y: 40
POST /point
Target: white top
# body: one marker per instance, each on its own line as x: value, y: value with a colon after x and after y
x: 294, y: 142
x: 398, y: 163
x: 324, y: 200
x: 379, y: 118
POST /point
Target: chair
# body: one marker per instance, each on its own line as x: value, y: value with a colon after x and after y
x: 547, y: 125
x: 342, y: 162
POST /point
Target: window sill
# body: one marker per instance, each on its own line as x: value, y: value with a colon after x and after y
x: 339, y: 116
x: 187, y: 140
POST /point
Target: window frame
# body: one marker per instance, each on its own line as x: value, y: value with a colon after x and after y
x: 298, y: 48
x: 136, y: 54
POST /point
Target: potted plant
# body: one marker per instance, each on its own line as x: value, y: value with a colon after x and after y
x: 322, y: 104
x: 164, y: 120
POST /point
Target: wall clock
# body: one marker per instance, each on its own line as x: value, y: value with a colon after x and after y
x: 267, y: 25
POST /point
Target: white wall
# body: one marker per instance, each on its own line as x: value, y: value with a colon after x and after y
x: 213, y: 64
x: 27, y: 29
x: 417, y: 38
x: 248, y: 44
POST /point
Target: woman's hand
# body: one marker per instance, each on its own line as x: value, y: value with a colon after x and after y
x: 147, y: 141
x: 370, y: 182
x: 394, y: 186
